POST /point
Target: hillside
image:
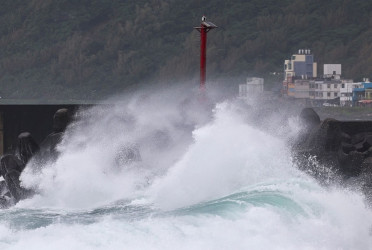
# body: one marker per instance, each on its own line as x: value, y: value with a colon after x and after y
x: 87, y: 49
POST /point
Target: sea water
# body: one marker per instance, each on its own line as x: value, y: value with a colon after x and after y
x: 208, y: 177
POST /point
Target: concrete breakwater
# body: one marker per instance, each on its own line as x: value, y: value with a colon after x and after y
x: 333, y: 149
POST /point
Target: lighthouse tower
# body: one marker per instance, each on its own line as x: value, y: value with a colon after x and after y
x: 203, y: 29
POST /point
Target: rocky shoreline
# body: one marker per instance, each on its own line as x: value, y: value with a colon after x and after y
x: 333, y: 149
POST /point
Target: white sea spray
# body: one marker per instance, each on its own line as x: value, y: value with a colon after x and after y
x: 207, y: 179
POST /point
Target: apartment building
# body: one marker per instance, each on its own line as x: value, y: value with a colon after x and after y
x: 300, y: 89
x: 301, y: 65
x: 323, y: 91
x: 301, y: 83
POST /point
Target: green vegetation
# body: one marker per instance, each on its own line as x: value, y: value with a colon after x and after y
x: 89, y: 49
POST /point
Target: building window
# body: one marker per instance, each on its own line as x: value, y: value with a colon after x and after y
x: 335, y: 94
x: 343, y: 85
x: 335, y: 86
x: 328, y: 85
x: 329, y: 94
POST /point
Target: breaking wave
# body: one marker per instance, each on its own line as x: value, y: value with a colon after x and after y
x: 166, y: 171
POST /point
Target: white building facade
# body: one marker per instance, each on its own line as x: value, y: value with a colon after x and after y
x: 252, y: 87
x: 323, y: 91
x: 346, y: 92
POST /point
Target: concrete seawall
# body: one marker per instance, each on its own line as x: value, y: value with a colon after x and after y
x: 334, y: 149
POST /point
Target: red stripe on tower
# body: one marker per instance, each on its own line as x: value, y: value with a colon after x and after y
x: 203, y: 29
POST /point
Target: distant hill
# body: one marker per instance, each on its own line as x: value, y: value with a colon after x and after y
x: 93, y: 48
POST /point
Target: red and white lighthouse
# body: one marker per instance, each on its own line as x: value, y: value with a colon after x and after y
x: 203, y: 29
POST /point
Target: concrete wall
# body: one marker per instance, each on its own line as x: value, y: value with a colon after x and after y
x: 36, y: 119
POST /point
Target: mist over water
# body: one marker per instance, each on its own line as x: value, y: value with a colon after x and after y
x: 91, y: 169
x: 212, y: 174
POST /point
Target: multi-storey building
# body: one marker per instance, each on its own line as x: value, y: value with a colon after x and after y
x: 328, y: 87
x: 301, y: 83
x: 325, y: 91
x: 300, y: 89
x: 300, y: 66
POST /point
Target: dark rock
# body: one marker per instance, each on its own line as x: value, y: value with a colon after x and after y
x: 342, y: 147
x: 366, y: 171
x: 360, y: 137
x: 61, y: 119
x: 11, y: 168
x: 350, y: 164
x: 309, y: 117
x: 27, y: 147
x: 3, y: 189
x: 10, y: 165
x: 360, y: 147
x: 347, y: 148
x: 48, y: 148
x: 366, y: 179
x: 345, y: 137
x: 323, y: 138
x: 368, y: 142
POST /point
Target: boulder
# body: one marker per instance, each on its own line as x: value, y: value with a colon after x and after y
x: 341, y: 147
x: 309, y: 117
